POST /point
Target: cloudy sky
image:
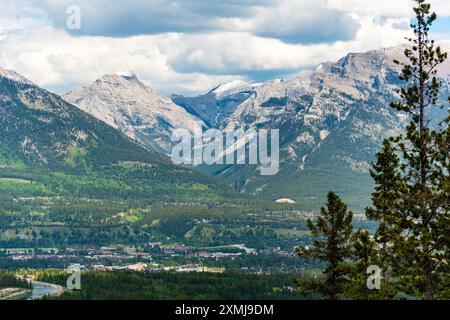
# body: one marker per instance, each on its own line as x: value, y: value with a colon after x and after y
x: 189, y: 46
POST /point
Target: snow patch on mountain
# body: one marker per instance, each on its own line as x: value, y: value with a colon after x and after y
x: 227, y: 86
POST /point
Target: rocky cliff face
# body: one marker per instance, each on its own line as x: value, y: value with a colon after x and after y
x: 125, y: 103
x: 331, y: 120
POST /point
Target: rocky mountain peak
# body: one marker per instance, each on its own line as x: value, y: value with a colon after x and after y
x: 124, y: 80
x: 124, y: 102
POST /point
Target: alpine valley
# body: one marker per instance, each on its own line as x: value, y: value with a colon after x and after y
x: 331, y: 120
x: 86, y: 177
x: 69, y: 178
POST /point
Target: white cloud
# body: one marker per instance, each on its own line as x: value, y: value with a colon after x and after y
x: 191, y: 62
x: 297, y: 21
x: 301, y: 22
x: 386, y: 8
x: 58, y: 61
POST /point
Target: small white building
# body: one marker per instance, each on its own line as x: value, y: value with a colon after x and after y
x: 285, y: 200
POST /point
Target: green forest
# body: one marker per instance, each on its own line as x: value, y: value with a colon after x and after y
x: 175, y: 286
x: 9, y: 279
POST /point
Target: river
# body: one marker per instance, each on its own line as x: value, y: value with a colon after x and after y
x: 41, y: 289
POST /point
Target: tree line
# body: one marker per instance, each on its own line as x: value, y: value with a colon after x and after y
x: 10, y: 280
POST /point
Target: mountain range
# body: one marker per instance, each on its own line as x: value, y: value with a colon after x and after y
x: 331, y: 120
x: 48, y: 142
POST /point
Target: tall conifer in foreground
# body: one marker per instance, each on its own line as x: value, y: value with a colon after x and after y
x: 332, y: 231
x: 364, y: 255
x: 411, y: 200
x: 443, y: 146
x: 387, y: 202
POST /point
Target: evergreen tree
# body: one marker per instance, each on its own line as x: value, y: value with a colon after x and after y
x: 411, y: 197
x: 333, y: 230
x: 387, y: 203
x: 386, y: 200
x: 365, y: 253
x: 443, y: 145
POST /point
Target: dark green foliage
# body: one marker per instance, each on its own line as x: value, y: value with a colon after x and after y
x: 412, y: 197
x: 365, y: 255
x: 175, y: 286
x: 332, y: 232
x: 10, y: 280
x: 386, y: 201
